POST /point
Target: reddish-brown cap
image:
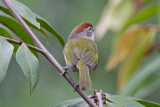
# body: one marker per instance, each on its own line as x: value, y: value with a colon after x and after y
x: 81, y: 27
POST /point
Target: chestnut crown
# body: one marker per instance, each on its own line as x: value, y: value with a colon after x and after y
x: 85, y: 30
x: 81, y: 27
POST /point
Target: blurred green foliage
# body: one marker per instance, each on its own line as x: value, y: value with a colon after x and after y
x: 52, y: 88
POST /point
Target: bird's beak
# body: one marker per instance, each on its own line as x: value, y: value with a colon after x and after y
x: 94, y: 28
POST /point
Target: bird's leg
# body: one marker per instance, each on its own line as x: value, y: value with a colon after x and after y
x: 76, y: 86
x: 65, y: 70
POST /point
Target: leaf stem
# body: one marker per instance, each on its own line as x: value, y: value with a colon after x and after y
x: 48, y: 55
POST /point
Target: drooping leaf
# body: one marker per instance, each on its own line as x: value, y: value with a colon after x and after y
x: 130, y: 50
x: 119, y: 15
x: 136, y: 55
x: 147, y: 13
x: 40, y: 30
x: 29, y: 65
x: 4, y: 32
x: 159, y: 14
x: 48, y: 27
x: 43, y: 24
x: 6, y: 50
x: 5, y: 10
x: 149, y: 10
x: 148, y: 104
x: 25, y: 12
x: 15, y: 27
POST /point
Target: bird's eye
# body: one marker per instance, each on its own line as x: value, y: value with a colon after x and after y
x: 90, y: 28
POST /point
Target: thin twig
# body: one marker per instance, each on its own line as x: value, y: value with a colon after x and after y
x: 48, y: 55
x: 29, y: 46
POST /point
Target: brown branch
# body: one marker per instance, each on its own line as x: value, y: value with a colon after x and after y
x: 29, y: 46
x: 48, y: 55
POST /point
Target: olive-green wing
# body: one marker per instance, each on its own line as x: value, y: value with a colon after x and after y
x: 70, y: 57
x: 90, y: 58
x: 81, y: 49
x: 89, y: 55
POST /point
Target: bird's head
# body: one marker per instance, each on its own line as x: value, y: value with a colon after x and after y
x: 85, y: 30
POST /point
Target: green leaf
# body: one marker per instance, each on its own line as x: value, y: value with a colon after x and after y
x: 29, y: 65
x: 40, y: 30
x: 15, y: 27
x: 78, y: 102
x: 5, y: 10
x: 6, y: 50
x: 4, y: 32
x: 48, y: 27
x: 42, y: 22
x: 159, y: 14
x: 110, y: 102
x: 147, y: 13
x: 149, y: 10
x: 25, y: 12
x: 128, y: 102
x: 148, y: 104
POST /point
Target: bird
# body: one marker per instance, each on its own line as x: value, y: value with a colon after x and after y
x: 81, y: 54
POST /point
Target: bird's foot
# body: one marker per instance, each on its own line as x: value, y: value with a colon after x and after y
x: 76, y: 86
x: 65, y: 70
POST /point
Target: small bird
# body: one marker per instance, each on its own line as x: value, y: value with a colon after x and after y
x: 81, y: 53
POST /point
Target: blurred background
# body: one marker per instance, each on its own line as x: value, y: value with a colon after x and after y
x: 112, y: 19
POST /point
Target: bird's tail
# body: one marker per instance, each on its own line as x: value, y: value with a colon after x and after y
x: 85, y: 81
